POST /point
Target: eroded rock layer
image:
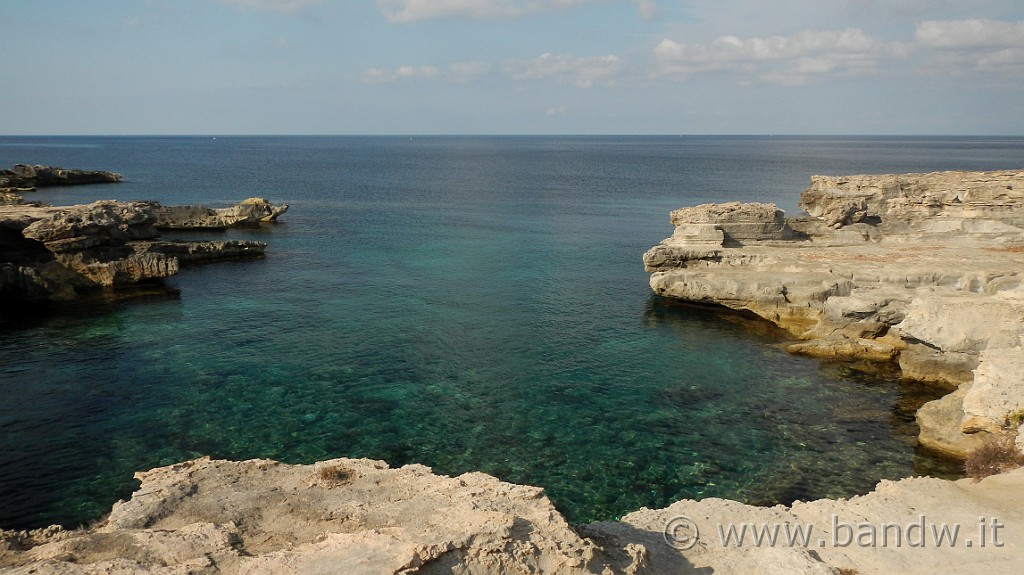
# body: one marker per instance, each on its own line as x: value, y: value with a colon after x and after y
x: 56, y: 253
x: 250, y: 212
x: 923, y: 269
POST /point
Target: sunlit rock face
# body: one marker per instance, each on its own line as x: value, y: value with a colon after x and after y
x: 360, y: 516
x: 250, y: 212
x: 920, y: 269
x: 55, y: 253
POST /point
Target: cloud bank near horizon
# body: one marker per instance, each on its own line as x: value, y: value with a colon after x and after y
x: 496, y: 66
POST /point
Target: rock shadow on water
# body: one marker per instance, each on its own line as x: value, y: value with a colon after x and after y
x: 668, y: 311
x: 89, y: 306
x: 834, y: 428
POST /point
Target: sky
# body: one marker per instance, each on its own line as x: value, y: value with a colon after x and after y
x: 917, y: 67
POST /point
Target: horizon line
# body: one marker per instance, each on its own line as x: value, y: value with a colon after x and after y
x: 215, y: 135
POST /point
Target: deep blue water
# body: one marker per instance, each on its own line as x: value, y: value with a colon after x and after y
x: 470, y: 303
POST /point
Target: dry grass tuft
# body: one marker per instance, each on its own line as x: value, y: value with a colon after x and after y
x: 336, y: 475
x: 995, y: 456
x: 1015, y: 419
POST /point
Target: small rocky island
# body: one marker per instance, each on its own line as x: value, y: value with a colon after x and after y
x: 58, y: 253
x: 920, y: 269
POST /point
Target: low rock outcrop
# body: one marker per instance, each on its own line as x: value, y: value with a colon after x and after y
x: 923, y: 269
x: 12, y: 197
x: 730, y: 224
x: 196, y: 252
x: 339, y: 516
x: 56, y: 253
x: 357, y: 516
x: 250, y: 212
x: 27, y: 177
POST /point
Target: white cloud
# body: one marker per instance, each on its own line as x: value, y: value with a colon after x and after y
x: 281, y: 6
x: 377, y: 76
x: 465, y: 71
x: 648, y: 8
x: 404, y: 11
x: 973, y: 45
x: 416, y: 72
x: 582, y: 72
x: 457, y: 72
x: 898, y: 8
x: 971, y: 34
x: 555, y: 111
x: 381, y: 76
x: 787, y: 60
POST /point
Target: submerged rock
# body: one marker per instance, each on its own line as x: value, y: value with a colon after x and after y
x: 923, y: 269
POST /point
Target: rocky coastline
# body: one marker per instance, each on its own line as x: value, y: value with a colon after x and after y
x: 923, y: 270
x: 60, y: 253
x: 23, y: 177
x: 919, y: 270
x: 358, y: 516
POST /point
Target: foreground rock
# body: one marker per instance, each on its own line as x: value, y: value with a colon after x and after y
x: 57, y: 253
x: 360, y: 517
x: 25, y: 178
x: 12, y: 197
x: 904, y: 527
x: 921, y: 269
x: 340, y: 516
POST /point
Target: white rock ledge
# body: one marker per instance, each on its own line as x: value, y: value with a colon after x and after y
x: 360, y: 517
x: 923, y: 269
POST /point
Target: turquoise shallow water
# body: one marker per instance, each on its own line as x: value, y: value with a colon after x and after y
x: 466, y: 303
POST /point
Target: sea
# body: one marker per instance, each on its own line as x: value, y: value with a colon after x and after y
x: 473, y: 303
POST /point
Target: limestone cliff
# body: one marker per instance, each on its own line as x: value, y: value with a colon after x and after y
x: 900, y: 199
x: 923, y: 269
